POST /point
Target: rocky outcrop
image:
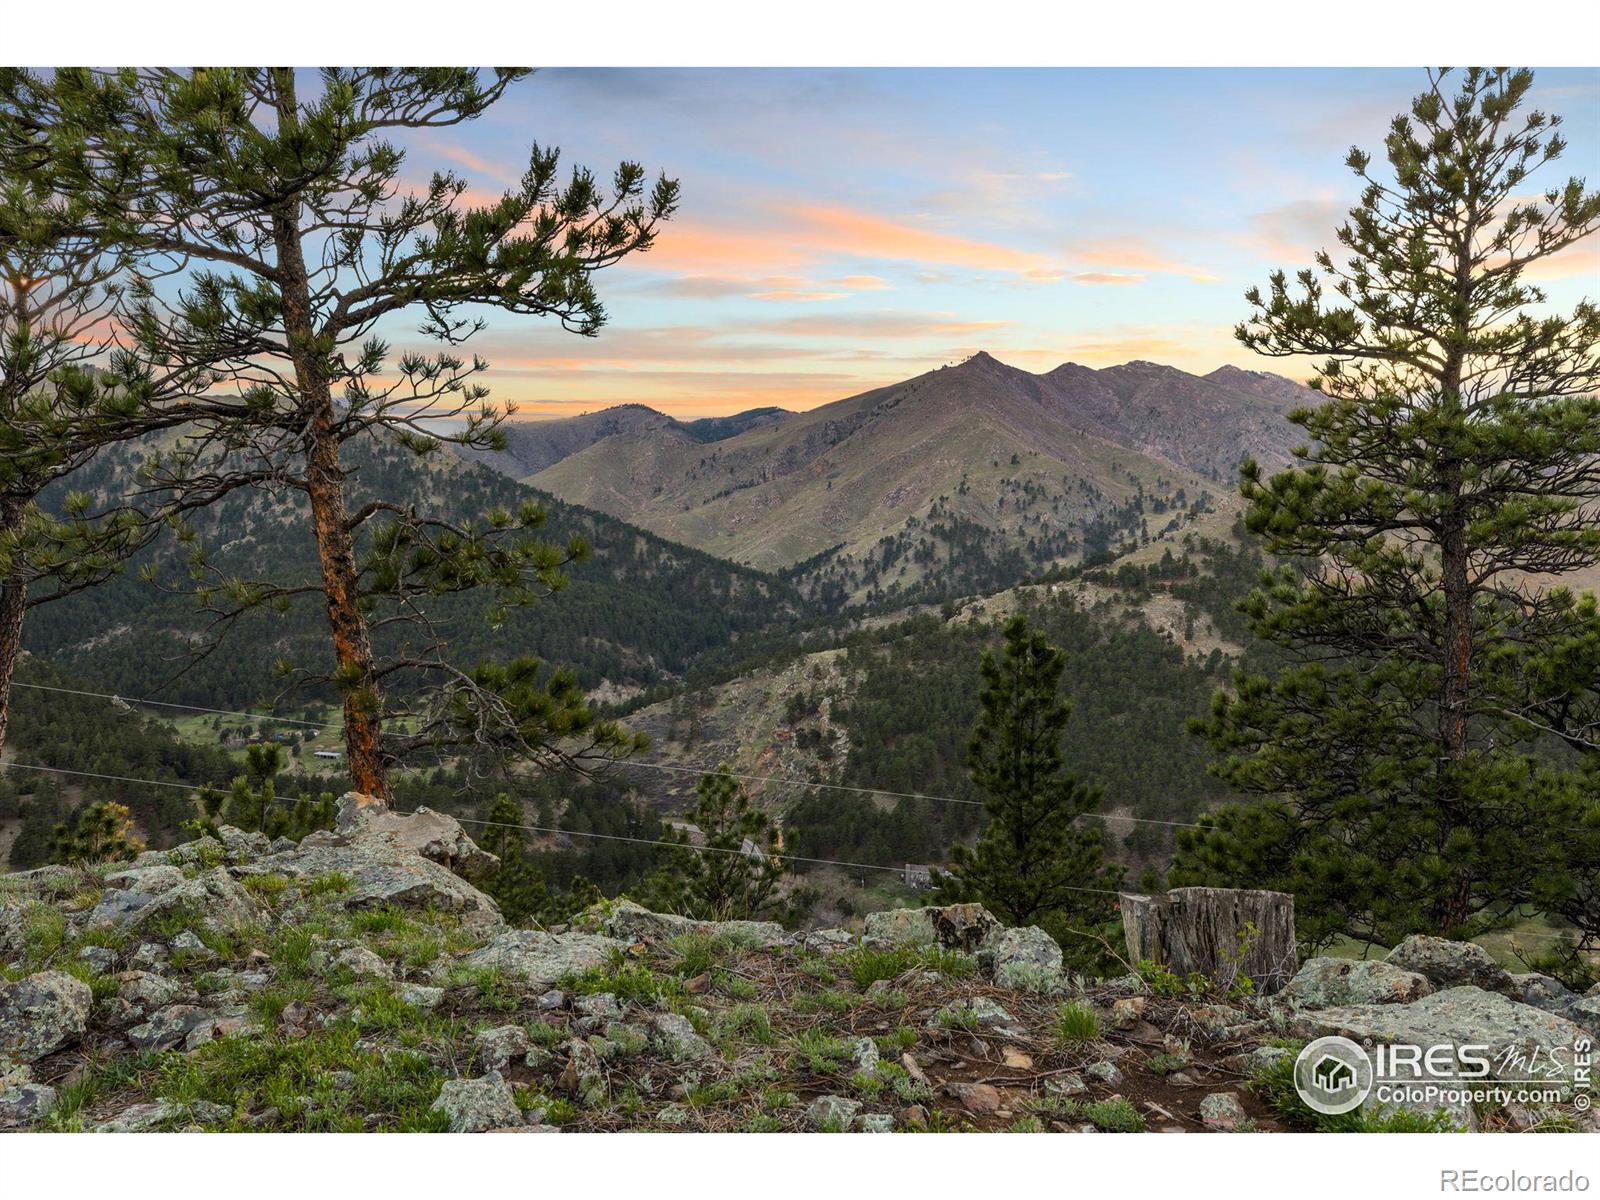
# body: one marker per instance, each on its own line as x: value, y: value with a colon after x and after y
x: 380, y: 870
x: 1448, y: 964
x: 40, y: 1014
x: 140, y: 895
x: 433, y: 835
x: 630, y: 922
x: 1330, y: 982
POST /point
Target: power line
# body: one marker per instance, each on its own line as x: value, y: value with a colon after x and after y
x: 621, y: 762
x: 615, y: 837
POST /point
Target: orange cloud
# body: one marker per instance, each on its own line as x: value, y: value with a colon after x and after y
x: 838, y: 230
x: 1136, y: 254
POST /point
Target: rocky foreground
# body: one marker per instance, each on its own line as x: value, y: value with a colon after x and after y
x: 359, y: 981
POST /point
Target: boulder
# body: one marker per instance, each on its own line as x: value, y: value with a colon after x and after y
x: 954, y: 926
x: 676, y: 1038
x: 25, y: 1103
x: 832, y: 1114
x: 1222, y: 1111
x: 540, y: 958
x: 1020, y: 958
x: 630, y: 922
x: 474, y: 1105
x: 494, y: 1049
x: 1331, y: 982
x: 164, y: 1114
x: 381, y: 870
x: 1457, y: 1016
x: 433, y: 835
x: 1541, y: 991
x: 41, y: 1013
x: 362, y: 963
x: 239, y: 846
x: 212, y: 896
x: 176, y: 1025
x: 1448, y: 964
x: 420, y: 995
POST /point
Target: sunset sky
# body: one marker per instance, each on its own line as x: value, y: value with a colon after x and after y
x: 845, y: 229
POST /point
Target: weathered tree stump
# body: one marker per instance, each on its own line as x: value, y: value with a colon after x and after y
x: 1220, y: 932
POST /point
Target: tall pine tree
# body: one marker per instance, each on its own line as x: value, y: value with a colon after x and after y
x: 1033, y: 864
x: 1424, y: 750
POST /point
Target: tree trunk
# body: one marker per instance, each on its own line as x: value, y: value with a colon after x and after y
x: 1222, y: 933
x: 352, y: 645
x: 13, y: 605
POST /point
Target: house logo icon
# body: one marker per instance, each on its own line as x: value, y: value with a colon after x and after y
x: 1333, y: 1075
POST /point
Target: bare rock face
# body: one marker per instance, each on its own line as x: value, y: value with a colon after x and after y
x: 141, y: 894
x: 1330, y: 982
x: 42, y: 1013
x: 1449, y: 964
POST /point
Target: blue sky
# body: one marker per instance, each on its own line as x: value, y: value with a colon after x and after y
x: 842, y: 229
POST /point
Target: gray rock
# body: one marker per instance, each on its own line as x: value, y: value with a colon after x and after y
x: 474, y: 1105
x: 100, y: 958
x: 215, y: 895
x: 865, y: 1054
x: 364, y: 963
x: 551, y: 1000
x: 494, y: 1049
x: 1020, y: 958
x: 1069, y: 1083
x: 1457, y: 1016
x: 150, y: 956
x: 420, y: 995
x: 1263, y: 1058
x: 677, y: 1038
x: 431, y: 835
x: 382, y: 870
x: 1222, y: 1110
x: 25, y: 1104
x: 240, y: 846
x: 540, y: 958
x: 832, y: 1113
x: 828, y: 941
x: 176, y: 1025
x: 1450, y: 964
x: 1332, y: 982
x: 149, y: 992
x: 630, y: 922
x: 875, y: 1123
x: 1541, y: 991
x: 42, y: 1013
x: 601, y: 1006
x: 1105, y: 1071
x: 164, y: 1113
x: 955, y: 927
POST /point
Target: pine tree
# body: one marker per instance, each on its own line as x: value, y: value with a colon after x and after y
x: 1033, y: 863
x: 1451, y: 479
x: 101, y: 832
x: 733, y: 875
x: 518, y: 887
x: 269, y: 234
x: 64, y: 396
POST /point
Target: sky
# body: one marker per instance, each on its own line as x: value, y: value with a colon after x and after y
x: 844, y: 229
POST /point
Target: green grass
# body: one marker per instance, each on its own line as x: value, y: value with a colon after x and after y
x: 1076, y: 1023
x: 1275, y: 1085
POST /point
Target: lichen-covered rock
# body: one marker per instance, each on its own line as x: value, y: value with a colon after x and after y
x: 875, y: 1123
x: 677, y: 1038
x: 420, y: 995
x: 362, y: 963
x: 955, y: 927
x: 1457, y: 1016
x: 148, y: 991
x: 1222, y: 1111
x: 1448, y: 964
x: 176, y: 1025
x: 25, y: 1103
x: 42, y: 1013
x: 832, y: 1114
x: 1331, y: 982
x: 432, y: 835
x: 1541, y: 991
x: 630, y: 922
x: 100, y: 958
x: 164, y: 1114
x: 540, y: 958
x: 1020, y: 958
x: 212, y: 896
x: 475, y: 1105
x: 239, y: 846
x: 380, y: 872
x: 494, y: 1049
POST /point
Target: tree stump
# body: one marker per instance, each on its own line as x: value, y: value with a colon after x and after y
x: 1220, y: 932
